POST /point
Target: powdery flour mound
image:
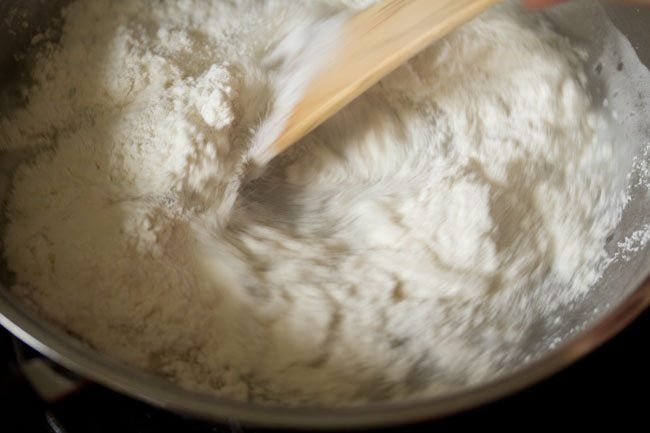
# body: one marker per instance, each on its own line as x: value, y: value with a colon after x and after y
x: 403, y: 249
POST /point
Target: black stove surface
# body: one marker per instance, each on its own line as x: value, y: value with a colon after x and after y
x: 610, y: 385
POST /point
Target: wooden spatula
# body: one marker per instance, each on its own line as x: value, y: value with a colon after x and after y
x: 366, y: 47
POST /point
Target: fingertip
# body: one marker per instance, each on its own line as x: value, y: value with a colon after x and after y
x: 541, y: 4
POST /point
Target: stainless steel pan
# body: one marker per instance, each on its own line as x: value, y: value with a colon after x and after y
x: 616, y: 70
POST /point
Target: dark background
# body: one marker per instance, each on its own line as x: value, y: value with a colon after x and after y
x: 608, y: 386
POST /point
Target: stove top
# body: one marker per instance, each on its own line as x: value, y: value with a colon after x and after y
x: 609, y: 385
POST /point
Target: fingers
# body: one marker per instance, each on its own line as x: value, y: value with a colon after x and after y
x: 539, y: 4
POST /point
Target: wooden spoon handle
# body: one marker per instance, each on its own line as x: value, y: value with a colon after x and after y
x: 373, y: 43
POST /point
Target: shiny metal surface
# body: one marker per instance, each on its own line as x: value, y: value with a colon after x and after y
x: 621, y: 295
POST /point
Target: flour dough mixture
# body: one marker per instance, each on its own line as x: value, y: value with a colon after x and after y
x: 405, y: 248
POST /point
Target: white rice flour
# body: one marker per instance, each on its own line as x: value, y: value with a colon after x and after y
x: 402, y: 249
